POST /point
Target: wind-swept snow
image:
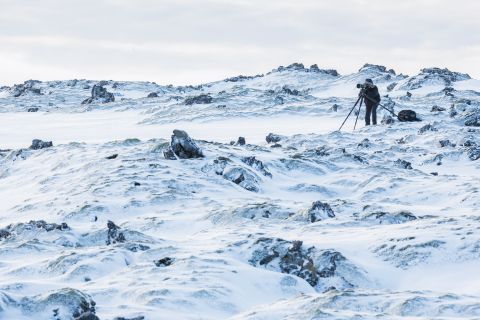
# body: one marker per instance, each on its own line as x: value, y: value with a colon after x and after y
x: 311, y: 223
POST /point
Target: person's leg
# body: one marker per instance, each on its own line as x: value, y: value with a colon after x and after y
x: 368, y: 111
x: 374, y: 114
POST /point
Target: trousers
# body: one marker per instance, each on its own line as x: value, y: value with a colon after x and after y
x: 371, y: 110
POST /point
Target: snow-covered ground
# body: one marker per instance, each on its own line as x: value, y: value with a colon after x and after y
x: 377, y: 223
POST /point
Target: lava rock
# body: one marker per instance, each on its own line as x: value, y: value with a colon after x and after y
x: 38, y: 144
x: 200, y: 99
x: 89, y: 315
x: 403, y: 164
x: 273, y: 138
x: 99, y: 95
x: 241, y: 141
x: 183, y: 146
x: 164, y: 262
x: 319, y: 211
x: 256, y: 164
x: 152, y: 95
x: 113, y: 234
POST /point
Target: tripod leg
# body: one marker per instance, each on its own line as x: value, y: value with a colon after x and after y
x: 349, y: 113
x: 381, y: 105
x: 359, y: 109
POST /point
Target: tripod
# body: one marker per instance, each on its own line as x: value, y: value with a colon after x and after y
x: 360, y: 99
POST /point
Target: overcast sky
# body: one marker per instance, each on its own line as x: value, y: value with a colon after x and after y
x: 194, y: 41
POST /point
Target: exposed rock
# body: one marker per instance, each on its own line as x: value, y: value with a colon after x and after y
x: 183, y: 146
x: 243, y: 178
x: 334, y: 108
x: 365, y: 143
x: 38, y: 144
x: 473, y: 119
x: 242, y: 78
x: 257, y: 165
x: 164, y: 262
x: 271, y: 137
x: 436, y: 108
x: 28, y: 86
x: 474, y: 153
x: 169, y: 154
x: 152, y: 95
x: 241, y: 141
x: 435, y: 76
x: 446, y: 143
x: 319, y: 211
x: 403, y: 164
x: 114, y: 235
x: 4, y: 234
x: 113, y: 156
x: 315, y: 68
x: 33, y: 109
x: 99, y: 95
x: 387, y: 119
x: 389, y: 217
x: 278, y: 100
x: 135, y: 318
x: 200, y: 99
x: 320, y: 268
x: 262, y: 210
x: 292, y: 92
x: 89, y: 315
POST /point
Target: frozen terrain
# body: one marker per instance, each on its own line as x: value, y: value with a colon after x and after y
x: 117, y: 219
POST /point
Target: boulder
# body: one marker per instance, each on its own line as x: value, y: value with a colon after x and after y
x: 38, y: 144
x: 32, y: 109
x: 164, y: 262
x: 403, y: 164
x: 257, y: 165
x: 289, y: 91
x: 99, y: 95
x: 241, y: 141
x: 152, y: 95
x: 183, y: 146
x: 472, y: 119
x: 273, y: 138
x: 89, y: 315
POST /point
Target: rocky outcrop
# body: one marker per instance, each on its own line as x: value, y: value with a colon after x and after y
x: 319, y: 211
x: 300, y: 67
x: 152, y: 95
x: 99, y: 95
x: 164, y: 262
x: 382, y: 217
x: 32, y: 225
x: 434, y: 76
x: 322, y: 269
x: 28, y: 87
x: 403, y: 164
x: 183, y: 147
x: 38, y: 144
x: 273, y: 138
x: 472, y: 119
x: 257, y: 165
x: 200, y: 99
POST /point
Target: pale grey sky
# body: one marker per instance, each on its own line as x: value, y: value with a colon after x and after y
x: 194, y: 41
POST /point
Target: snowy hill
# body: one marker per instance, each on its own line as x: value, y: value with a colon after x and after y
x: 118, y: 219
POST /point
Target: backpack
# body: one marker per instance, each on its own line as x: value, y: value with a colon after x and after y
x: 407, y: 115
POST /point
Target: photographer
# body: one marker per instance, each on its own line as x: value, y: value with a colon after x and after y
x: 372, y: 99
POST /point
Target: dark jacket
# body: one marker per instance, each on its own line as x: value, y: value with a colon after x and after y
x: 372, y: 93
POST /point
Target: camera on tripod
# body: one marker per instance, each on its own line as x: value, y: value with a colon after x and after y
x: 362, y: 85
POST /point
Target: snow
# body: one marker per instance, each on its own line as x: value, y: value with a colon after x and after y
x: 386, y: 268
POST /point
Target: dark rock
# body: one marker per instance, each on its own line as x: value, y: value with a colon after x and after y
x: 271, y: 137
x: 435, y: 75
x: 242, y: 78
x: 334, y: 108
x: 292, y: 92
x: 114, y: 235
x: 241, y: 141
x: 183, y: 146
x: 473, y: 119
x: 409, y: 94
x: 25, y: 88
x: 365, y: 143
x: 135, y: 247
x: 278, y: 100
x: 403, y: 164
x: 33, y: 109
x: 113, y: 156
x: 136, y: 184
x: 292, y: 67
x: 221, y: 106
x: 243, y: 178
x: 257, y: 165
x: 448, y: 91
x: 436, y: 108
x: 434, y: 173
x: 152, y: 95
x: 390, y: 218
x: 135, y: 318
x: 314, y: 68
x: 474, y: 153
x: 200, y: 99
x: 38, y: 144
x: 276, y: 145
x: 89, y: 315
x: 446, y: 143
x: 164, y: 262
x: 320, y: 211
x: 4, y: 234
x: 99, y: 95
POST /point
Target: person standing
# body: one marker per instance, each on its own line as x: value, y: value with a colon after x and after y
x: 371, y: 99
